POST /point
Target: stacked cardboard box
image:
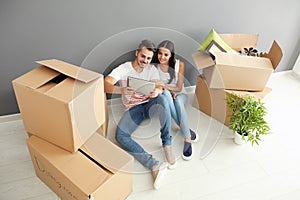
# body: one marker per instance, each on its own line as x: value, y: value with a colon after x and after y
x: 62, y: 107
x: 231, y: 72
x: 212, y: 101
x: 89, y: 173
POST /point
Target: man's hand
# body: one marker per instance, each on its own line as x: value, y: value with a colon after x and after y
x: 127, y: 90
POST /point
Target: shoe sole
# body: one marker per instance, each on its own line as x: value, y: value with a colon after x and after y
x: 187, y: 158
x: 196, y: 139
x: 170, y: 166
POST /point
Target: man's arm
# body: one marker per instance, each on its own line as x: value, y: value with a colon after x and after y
x: 111, y: 88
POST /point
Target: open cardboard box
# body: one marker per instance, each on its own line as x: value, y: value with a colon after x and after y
x: 239, y: 72
x: 212, y: 101
x: 61, y: 103
x: 98, y: 170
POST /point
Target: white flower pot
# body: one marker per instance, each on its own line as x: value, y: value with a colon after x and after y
x: 238, y: 139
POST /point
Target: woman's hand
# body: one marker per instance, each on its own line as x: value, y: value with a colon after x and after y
x: 159, y: 83
x: 173, y: 95
x: 155, y: 93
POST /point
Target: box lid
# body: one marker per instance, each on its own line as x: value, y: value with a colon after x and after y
x: 275, y: 54
x: 36, y: 77
x: 239, y: 41
x: 230, y: 59
x: 202, y: 60
x: 261, y: 95
x: 116, y: 160
x: 51, y: 69
x: 68, y: 69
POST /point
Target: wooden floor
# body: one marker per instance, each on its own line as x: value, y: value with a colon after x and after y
x: 270, y: 171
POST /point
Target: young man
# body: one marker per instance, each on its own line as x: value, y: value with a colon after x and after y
x: 139, y: 107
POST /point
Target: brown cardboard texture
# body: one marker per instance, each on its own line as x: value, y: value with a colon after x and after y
x: 61, y: 103
x: 212, y: 101
x: 239, y: 72
x: 80, y: 176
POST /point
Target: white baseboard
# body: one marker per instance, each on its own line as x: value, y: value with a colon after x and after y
x: 12, y: 117
x: 296, y: 68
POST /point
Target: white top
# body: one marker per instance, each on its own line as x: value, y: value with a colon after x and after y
x: 165, y: 77
x: 126, y: 69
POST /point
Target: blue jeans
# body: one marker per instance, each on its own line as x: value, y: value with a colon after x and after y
x: 178, y: 112
x: 133, y: 117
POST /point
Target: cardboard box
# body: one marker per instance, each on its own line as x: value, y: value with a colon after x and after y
x: 239, y: 72
x: 61, y: 103
x: 98, y: 170
x: 212, y: 101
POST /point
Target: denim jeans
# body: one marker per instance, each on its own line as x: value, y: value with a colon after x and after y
x: 133, y: 117
x: 178, y: 112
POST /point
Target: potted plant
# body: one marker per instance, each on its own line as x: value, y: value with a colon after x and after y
x: 246, y: 117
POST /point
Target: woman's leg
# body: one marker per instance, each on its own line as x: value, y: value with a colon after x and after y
x: 170, y: 101
x: 179, y: 104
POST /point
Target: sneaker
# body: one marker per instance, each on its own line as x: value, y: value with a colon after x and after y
x: 170, y: 157
x: 187, y: 151
x: 158, y: 174
x: 194, y: 136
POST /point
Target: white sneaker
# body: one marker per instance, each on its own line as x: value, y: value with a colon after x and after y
x: 158, y: 174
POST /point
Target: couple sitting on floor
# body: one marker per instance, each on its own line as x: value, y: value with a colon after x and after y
x: 167, y: 101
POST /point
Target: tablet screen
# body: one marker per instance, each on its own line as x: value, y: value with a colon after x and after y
x: 140, y: 85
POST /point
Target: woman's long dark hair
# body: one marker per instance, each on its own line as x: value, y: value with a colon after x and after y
x: 170, y: 46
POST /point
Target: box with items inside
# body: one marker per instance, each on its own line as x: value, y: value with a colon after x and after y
x: 225, y: 65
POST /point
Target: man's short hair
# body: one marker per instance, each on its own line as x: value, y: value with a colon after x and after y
x: 147, y: 44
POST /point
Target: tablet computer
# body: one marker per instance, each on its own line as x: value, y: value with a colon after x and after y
x: 140, y: 85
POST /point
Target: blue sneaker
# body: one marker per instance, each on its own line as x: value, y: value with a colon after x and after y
x: 194, y: 136
x: 187, y: 151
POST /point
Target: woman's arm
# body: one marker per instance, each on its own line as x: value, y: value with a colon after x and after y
x: 180, y: 80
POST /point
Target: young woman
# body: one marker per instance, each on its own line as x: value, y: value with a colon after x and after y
x: 171, y: 73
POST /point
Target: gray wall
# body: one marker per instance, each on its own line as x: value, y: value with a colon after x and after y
x: 70, y: 30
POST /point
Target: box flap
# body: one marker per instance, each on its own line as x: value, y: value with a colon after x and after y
x: 275, y: 54
x: 261, y: 95
x: 73, y: 71
x: 46, y: 87
x: 67, y: 90
x: 242, y: 61
x: 36, y: 77
x: 239, y: 41
x: 202, y: 60
x: 117, y: 160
